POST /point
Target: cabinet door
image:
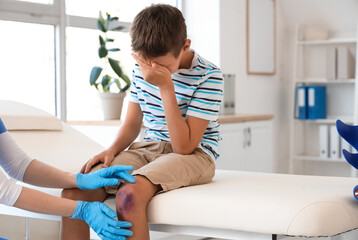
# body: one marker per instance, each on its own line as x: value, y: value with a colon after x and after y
x: 259, y: 147
x: 231, y: 147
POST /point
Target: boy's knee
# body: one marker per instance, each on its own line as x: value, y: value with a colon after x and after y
x: 127, y: 200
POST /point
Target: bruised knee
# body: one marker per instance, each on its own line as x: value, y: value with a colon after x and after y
x: 126, y: 201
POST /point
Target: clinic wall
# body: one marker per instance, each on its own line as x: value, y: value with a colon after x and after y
x: 226, y: 41
x: 203, y: 26
x: 341, y: 16
x: 263, y: 94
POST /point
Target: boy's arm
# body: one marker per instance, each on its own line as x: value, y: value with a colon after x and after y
x: 126, y: 135
x: 185, y: 134
x: 130, y: 129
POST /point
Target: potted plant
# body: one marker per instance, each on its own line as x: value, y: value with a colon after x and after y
x: 109, y: 73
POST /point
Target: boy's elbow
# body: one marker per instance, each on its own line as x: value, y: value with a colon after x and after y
x: 184, y: 150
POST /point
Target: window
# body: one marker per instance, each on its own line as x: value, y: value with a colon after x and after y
x: 124, y: 9
x: 38, y: 1
x: 27, y: 64
x: 47, y: 60
x: 82, y: 55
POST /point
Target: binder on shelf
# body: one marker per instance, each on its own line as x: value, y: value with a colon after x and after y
x: 331, y: 65
x: 335, y: 148
x: 345, y: 63
x: 317, y: 102
x: 302, y: 102
x: 323, y: 141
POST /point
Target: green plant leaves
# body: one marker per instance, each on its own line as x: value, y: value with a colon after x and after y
x: 106, y: 83
x: 118, y: 83
x: 101, y: 41
x: 101, y: 23
x: 126, y: 79
x: 95, y: 72
x: 119, y: 28
x: 113, y: 19
x: 115, y: 66
x: 102, y: 52
x: 114, y: 50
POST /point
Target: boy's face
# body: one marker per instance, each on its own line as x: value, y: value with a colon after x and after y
x: 173, y: 63
x: 168, y: 61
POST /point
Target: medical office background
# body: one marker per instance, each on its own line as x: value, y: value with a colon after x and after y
x: 47, y: 52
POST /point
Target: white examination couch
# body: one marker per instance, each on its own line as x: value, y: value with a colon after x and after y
x: 235, y: 205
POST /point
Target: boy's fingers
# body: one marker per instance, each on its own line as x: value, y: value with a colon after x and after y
x: 84, y: 167
x: 107, y: 161
x: 140, y: 61
x: 90, y: 164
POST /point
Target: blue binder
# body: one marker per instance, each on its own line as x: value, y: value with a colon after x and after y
x: 317, y: 102
x: 302, y: 102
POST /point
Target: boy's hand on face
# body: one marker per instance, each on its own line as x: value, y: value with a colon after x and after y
x: 154, y: 73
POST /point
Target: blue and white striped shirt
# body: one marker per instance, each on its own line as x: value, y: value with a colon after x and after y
x: 199, y: 93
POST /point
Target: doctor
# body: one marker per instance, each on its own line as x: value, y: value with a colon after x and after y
x: 20, y: 166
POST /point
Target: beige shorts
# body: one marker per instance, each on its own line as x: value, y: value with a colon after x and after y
x: 157, y: 162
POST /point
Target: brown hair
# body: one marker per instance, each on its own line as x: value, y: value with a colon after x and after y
x: 158, y: 30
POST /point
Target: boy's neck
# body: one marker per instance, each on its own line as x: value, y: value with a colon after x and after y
x: 186, y: 60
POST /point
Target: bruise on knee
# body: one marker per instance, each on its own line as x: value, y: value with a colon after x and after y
x: 124, y: 203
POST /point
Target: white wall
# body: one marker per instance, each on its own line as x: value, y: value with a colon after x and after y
x: 341, y: 16
x: 254, y: 94
x: 202, y: 20
x: 263, y: 94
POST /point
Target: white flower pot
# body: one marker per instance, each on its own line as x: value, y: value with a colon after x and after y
x: 112, y: 104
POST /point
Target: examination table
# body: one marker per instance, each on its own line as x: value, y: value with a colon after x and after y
x: 235, y: 205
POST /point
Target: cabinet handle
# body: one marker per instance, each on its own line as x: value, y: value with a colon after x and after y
x: 249, y: 137
x: 245, y: 138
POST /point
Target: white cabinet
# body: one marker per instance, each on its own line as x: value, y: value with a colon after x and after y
x: 246, y: 146
x: 313, y: 66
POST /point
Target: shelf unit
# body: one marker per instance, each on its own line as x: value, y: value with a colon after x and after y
x: 309, y: 68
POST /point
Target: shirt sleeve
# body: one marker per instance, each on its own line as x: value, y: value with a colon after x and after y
x: 206, y: 100
x: 9, y: 190
x: 133, y: 97
x: 12, y: 158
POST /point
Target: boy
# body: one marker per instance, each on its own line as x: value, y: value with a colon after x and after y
x: 178, y: 94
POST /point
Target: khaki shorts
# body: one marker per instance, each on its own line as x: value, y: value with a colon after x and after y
x: 157, y: 162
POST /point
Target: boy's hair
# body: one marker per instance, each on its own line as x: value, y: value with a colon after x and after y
x: 158, y: 30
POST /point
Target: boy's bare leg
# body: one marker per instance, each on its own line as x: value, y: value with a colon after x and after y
x: 74, y: 228
x: 131, y: 205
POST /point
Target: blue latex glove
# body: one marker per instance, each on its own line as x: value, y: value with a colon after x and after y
x: 104, y: 177
x: 348, y: 132
x: 100, y: 218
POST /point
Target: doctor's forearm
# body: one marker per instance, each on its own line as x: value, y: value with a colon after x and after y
x: 43, y: 175
x: 36, y: 201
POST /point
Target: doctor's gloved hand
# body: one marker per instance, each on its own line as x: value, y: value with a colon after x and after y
x: 100, y: 218
x: 104, y: 177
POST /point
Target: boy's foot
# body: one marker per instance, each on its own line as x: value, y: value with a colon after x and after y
x: 349, y: 133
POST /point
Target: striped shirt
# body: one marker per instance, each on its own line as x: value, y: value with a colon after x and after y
x: 199, y: 93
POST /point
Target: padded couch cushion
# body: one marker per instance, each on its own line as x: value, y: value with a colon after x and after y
x: 19, y: 116
x: 264, y: 203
